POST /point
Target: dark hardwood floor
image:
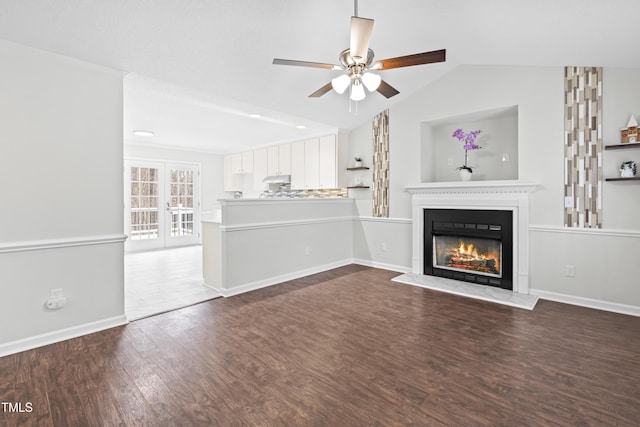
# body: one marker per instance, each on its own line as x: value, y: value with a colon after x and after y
x: 345, y: 347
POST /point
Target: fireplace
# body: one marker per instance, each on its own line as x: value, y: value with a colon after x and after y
x: 471, y: 245
x: 510, y: 197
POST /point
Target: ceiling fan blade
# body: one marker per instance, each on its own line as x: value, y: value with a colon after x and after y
x: 387, y: 90
x: 278, y: 61
x: 409, y: 60
x: 361, y: 29
x: 324, y: 89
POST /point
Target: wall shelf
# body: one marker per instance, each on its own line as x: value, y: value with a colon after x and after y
x: 622, y: 146
x: 633, y: 178
x: 358, y: 186
x: 361, y: 168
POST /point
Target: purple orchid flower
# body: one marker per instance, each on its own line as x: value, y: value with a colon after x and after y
x: 469, y: 140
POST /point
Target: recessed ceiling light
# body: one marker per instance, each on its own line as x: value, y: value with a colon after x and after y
x: 301, y: 127
x: 255, y: 115
x: 143, y: 133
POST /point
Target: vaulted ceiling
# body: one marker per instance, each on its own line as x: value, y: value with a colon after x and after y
x: 197, y: 68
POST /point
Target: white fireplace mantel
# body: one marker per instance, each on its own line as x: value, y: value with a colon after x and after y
x: 496, y: 195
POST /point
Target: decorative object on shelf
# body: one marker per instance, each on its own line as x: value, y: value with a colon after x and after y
x: 469, y: 140
x: 358, y: 163
x: 628, y: 169
x: 630, y: 133
x: 357, y: 181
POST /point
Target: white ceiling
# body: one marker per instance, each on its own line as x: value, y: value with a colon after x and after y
x: 197, y: 68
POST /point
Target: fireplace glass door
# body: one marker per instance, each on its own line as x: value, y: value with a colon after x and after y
x: 468, y: 254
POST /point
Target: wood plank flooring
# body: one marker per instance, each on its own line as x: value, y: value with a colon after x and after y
x: 347, y: 347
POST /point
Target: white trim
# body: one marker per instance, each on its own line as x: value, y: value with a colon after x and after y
x: 589, y: 231
x: 236, y: 290
x: 34, y: 245
x: 61, y: 335
x: 213, y: 288
x: 588, y: 302
x: 265, y: 225
x: 387, y: 220
x: 474, y: 187
x: 381, y: 265
x: 283, y: 201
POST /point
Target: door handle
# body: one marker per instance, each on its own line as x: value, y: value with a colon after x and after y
x: 168, y: 206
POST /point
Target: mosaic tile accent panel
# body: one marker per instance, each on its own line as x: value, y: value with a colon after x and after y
x: 381, y: 165
x: 583, y: 146
x: 324, y: 193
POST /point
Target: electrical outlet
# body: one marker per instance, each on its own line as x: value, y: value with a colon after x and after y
x: 56, y: 293
x: 569, y: 271
x: 56, y: 299
x: 383, y: 246
x: 449, y: 162
x: 568, y: 202
x: 307, y: 250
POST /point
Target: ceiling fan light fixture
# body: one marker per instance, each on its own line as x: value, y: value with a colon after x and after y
x: 371, y: 81
x: 341, y: 83
x: 357, y: 91
x: 361, y: 29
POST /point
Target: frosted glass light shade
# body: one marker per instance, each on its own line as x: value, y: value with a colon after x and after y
x: 357, y: 91
x: 341, y: 83
x: 371, y: 81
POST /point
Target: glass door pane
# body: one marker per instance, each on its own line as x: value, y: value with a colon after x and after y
x: 161, y: 205
x: 182, y: 205
x: 143, y: 205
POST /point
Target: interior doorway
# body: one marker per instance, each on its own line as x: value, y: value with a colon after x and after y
x: 162, y: 204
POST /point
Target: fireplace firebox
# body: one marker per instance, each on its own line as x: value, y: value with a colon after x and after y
x: 470, y: 245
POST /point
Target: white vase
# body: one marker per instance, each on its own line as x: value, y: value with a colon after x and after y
x: 626, y: 172
x: 465, y: 175
x: 358, y: 164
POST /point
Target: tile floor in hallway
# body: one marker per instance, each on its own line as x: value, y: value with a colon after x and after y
x: 163, y: 280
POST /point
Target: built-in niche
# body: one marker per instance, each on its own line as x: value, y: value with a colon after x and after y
x: 442, y: 154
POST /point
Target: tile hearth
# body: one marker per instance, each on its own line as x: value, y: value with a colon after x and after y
x: 481, y: 292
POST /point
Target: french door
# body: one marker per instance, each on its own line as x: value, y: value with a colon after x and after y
x: 162, y: 204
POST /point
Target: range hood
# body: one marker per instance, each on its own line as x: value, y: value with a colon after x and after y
x: 277, y: 179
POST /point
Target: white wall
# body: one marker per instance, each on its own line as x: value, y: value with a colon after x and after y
x: 268, y: 241
x: 361, y: 145
x: 211, y: 168
x: 538, y: 94
x: 499, y: 136
x: 62, y: 224
x: 620, y: 100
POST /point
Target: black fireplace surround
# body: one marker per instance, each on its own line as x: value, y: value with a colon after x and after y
x: 486, y: 228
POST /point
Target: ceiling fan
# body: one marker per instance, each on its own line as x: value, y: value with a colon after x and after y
x: 357, y: 61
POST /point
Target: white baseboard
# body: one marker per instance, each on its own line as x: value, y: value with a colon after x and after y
x: 213, y: 288
x: 588, y: 302
x: 282, y: 278
x: 381, y: 265
x: 60, y: 335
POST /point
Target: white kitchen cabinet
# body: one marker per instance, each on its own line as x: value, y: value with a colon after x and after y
x: 312, y: 163
x: 273, y: 165
x: 327, y: 162
x: 279, y: 159
x: 232, y: 182
x: 259, y: 169
x: 242, y: 162
x: 284, y: 159
x: 297, y: 165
